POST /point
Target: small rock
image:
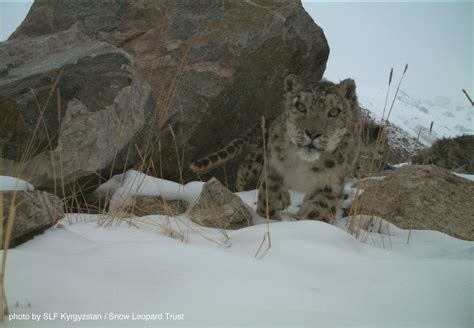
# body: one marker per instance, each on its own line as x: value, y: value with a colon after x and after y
x: 218, y: 207
x: 35, y: 211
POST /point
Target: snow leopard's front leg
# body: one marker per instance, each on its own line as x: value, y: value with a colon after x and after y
x: 320, y: 205
x: 278, y: 195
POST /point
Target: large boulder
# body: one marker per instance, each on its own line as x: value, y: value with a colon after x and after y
x: 422, y: 197
x: 70, y: 107
x: 33, y: 212
x: 214, y: 67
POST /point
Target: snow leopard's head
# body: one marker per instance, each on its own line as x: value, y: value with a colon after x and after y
x: 318, y: 116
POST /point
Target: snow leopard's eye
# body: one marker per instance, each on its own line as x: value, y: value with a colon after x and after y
x: 301, y: 107
x: 334, y: 112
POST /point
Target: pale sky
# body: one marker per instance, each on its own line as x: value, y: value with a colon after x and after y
x: 12, y: 14
x: 367, y: 39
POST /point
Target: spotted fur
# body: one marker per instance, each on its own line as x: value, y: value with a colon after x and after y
x: 228, y: 153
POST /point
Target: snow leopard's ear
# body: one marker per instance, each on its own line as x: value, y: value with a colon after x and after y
x: 348, y: 89
x: 294, y: 83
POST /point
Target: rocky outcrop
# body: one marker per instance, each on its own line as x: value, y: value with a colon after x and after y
x: 217, y: 207
x: 422, y: 197
x: 213, y: 67
x: 33, y: 213
x: 70, y: 107
x: 455, y: 154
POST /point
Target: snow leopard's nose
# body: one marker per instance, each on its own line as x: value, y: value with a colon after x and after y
x: 312, y: 134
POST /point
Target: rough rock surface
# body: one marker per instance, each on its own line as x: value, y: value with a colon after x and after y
x: 35, y: 211
x: 217, y: 207
x: 70, y: 106
x: 155, y: 205
x: 422, y: 197
x: 214, y: 67
x: 456, y: 154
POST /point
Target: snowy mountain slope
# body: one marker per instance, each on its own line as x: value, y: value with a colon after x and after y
x: 411, y: 114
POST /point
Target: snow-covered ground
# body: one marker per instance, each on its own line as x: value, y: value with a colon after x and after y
x: 314, y: 274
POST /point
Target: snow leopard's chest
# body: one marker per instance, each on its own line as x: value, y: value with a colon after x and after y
x: 298, y: 175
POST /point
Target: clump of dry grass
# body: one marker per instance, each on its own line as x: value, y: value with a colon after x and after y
x: 359, y: 230
x: 390, y: 77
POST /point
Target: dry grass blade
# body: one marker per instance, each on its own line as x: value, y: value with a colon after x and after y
x: 180, y: 168
x: 468, y: 98
x: 409, y: 235
x: 5, y: 240
x: 418, y: 135
x: 418, y: 189
x: 29, y: 150
x: 388, y: 90
x: 267, y: 236
x: 396, y: 93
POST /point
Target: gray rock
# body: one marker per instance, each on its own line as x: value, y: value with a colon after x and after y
x: 35, y: 211
x: 214, y: 67
x: 217, y: 207
x: 71, y: 108
x: 422, y: 197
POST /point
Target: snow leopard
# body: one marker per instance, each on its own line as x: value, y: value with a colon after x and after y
x: 310, y: 147
x: 455, y: 154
